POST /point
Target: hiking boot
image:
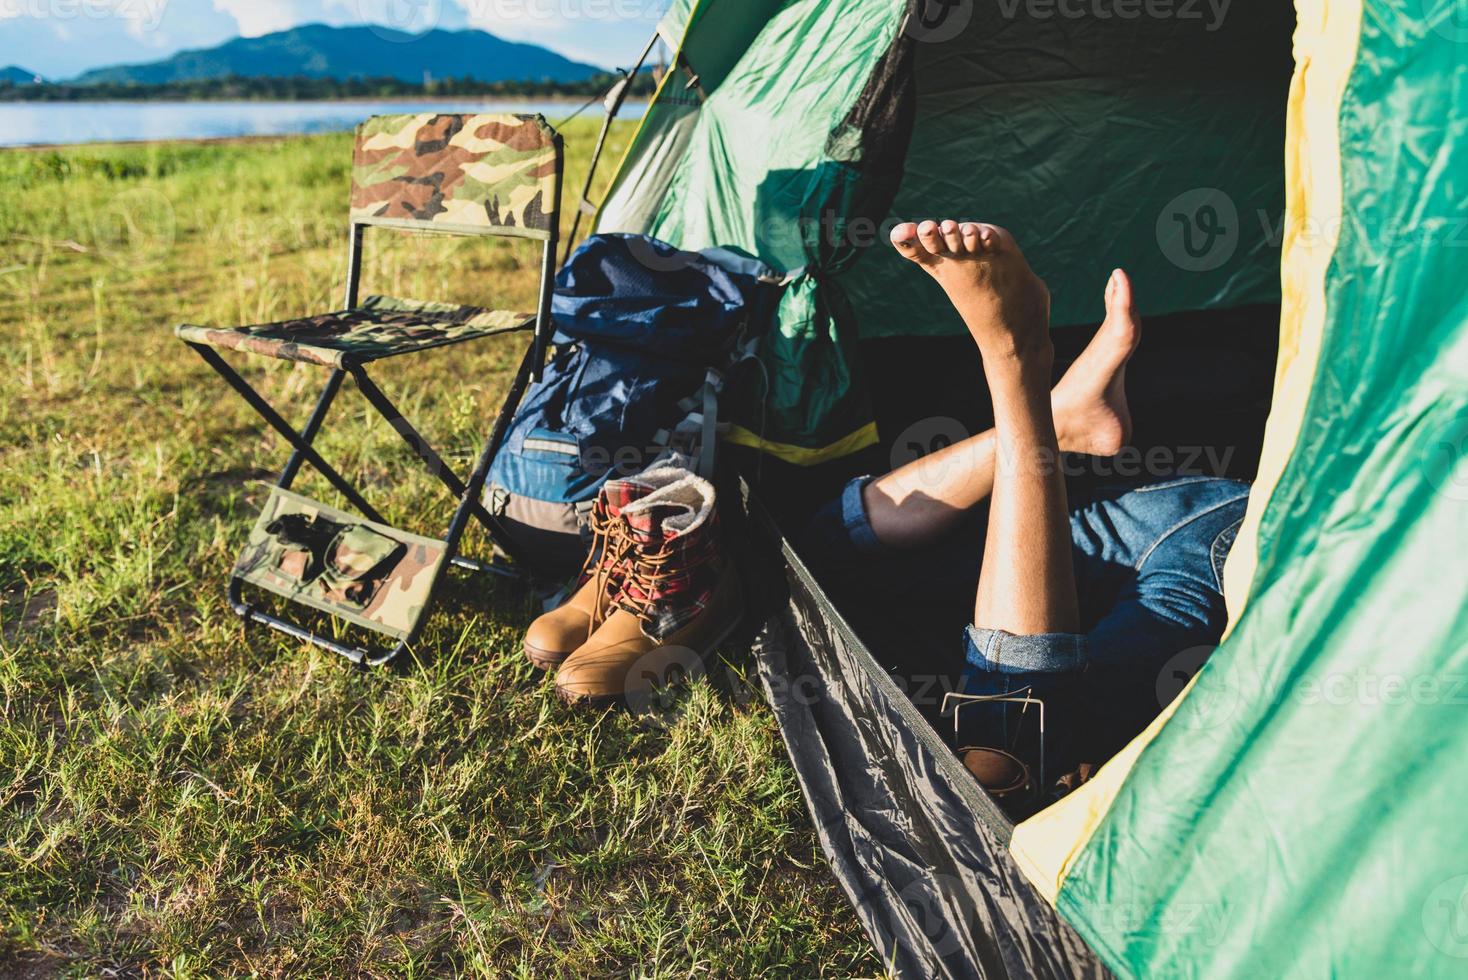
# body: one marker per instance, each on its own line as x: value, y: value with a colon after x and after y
x: 555, y: 635
x: 680, y: 597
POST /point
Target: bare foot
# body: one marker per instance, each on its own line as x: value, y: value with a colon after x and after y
x: 981, y: 268
x: 1091, y: 414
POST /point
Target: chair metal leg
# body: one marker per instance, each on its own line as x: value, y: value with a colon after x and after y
x: 414, y: 439
x: 313, y: 426
x: 280, y: 425
x: 467, y: 494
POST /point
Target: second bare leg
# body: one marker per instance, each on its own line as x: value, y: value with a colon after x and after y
x: 918, y: 504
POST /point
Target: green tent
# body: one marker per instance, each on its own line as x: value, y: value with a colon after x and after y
x: 1295, y: 810
x: 800, y: 132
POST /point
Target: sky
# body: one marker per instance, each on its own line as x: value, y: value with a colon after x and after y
x: 62, y: 38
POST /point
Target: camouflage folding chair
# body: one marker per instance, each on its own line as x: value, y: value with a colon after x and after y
x: 452, y: 174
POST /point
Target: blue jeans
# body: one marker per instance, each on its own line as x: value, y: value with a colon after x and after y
x: 1149, y: 578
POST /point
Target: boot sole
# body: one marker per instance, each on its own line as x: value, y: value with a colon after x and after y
x: 575, y: 700
x: 544, y: 659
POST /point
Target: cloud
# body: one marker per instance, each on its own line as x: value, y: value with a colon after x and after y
x: 600, y: 32
x: 257, y: 17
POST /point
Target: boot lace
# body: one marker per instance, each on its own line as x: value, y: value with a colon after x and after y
x: 611, y: 543
x: 647, y: 572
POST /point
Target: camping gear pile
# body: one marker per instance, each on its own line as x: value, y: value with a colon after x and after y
x: 647, y: 339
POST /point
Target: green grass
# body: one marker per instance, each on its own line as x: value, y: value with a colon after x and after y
x: 180, y: 797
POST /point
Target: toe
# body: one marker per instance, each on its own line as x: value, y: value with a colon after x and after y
x: 951, y: 238
x: 905, y: 240
x: 928, y: 234
x: 969, y: 232
x: 1119, y: 294
x: 995, y: 238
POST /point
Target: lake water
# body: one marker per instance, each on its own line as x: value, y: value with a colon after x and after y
x: 29, y: 123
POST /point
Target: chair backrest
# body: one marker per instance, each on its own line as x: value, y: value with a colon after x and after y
x: 462, y: 174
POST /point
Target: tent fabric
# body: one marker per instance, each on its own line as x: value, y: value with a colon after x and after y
x: 916, y: 845
x: 1098, y: 143
x: 984, y: 110
x: 761, y: 167
x: 1298, y: 814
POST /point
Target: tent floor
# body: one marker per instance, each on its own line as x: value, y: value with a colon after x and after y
x: 1199, y: 390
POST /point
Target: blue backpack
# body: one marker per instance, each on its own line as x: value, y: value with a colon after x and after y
x: 646, y: 338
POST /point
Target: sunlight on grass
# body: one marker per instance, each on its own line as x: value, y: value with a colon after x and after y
x: 184, y: 798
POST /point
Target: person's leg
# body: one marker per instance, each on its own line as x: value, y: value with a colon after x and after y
x: 921, y: 503
x: 1027, y: 580
x: 1152, y: 558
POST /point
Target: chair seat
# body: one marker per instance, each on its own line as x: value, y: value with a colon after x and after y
x: 380, y: 327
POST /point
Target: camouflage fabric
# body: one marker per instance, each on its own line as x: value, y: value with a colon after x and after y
x: 467, y: 173
x: 380, y: 327
x: 366, y: 573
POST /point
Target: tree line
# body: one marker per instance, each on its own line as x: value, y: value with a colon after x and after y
x: 300, y: 88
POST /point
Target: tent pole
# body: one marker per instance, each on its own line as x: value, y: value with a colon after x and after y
x: 619, y: 96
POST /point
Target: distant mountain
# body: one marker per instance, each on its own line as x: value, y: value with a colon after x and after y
x: 318, y: 51
x: 17, y: 76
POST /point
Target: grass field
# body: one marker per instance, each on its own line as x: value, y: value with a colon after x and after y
x: 179, y: 797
